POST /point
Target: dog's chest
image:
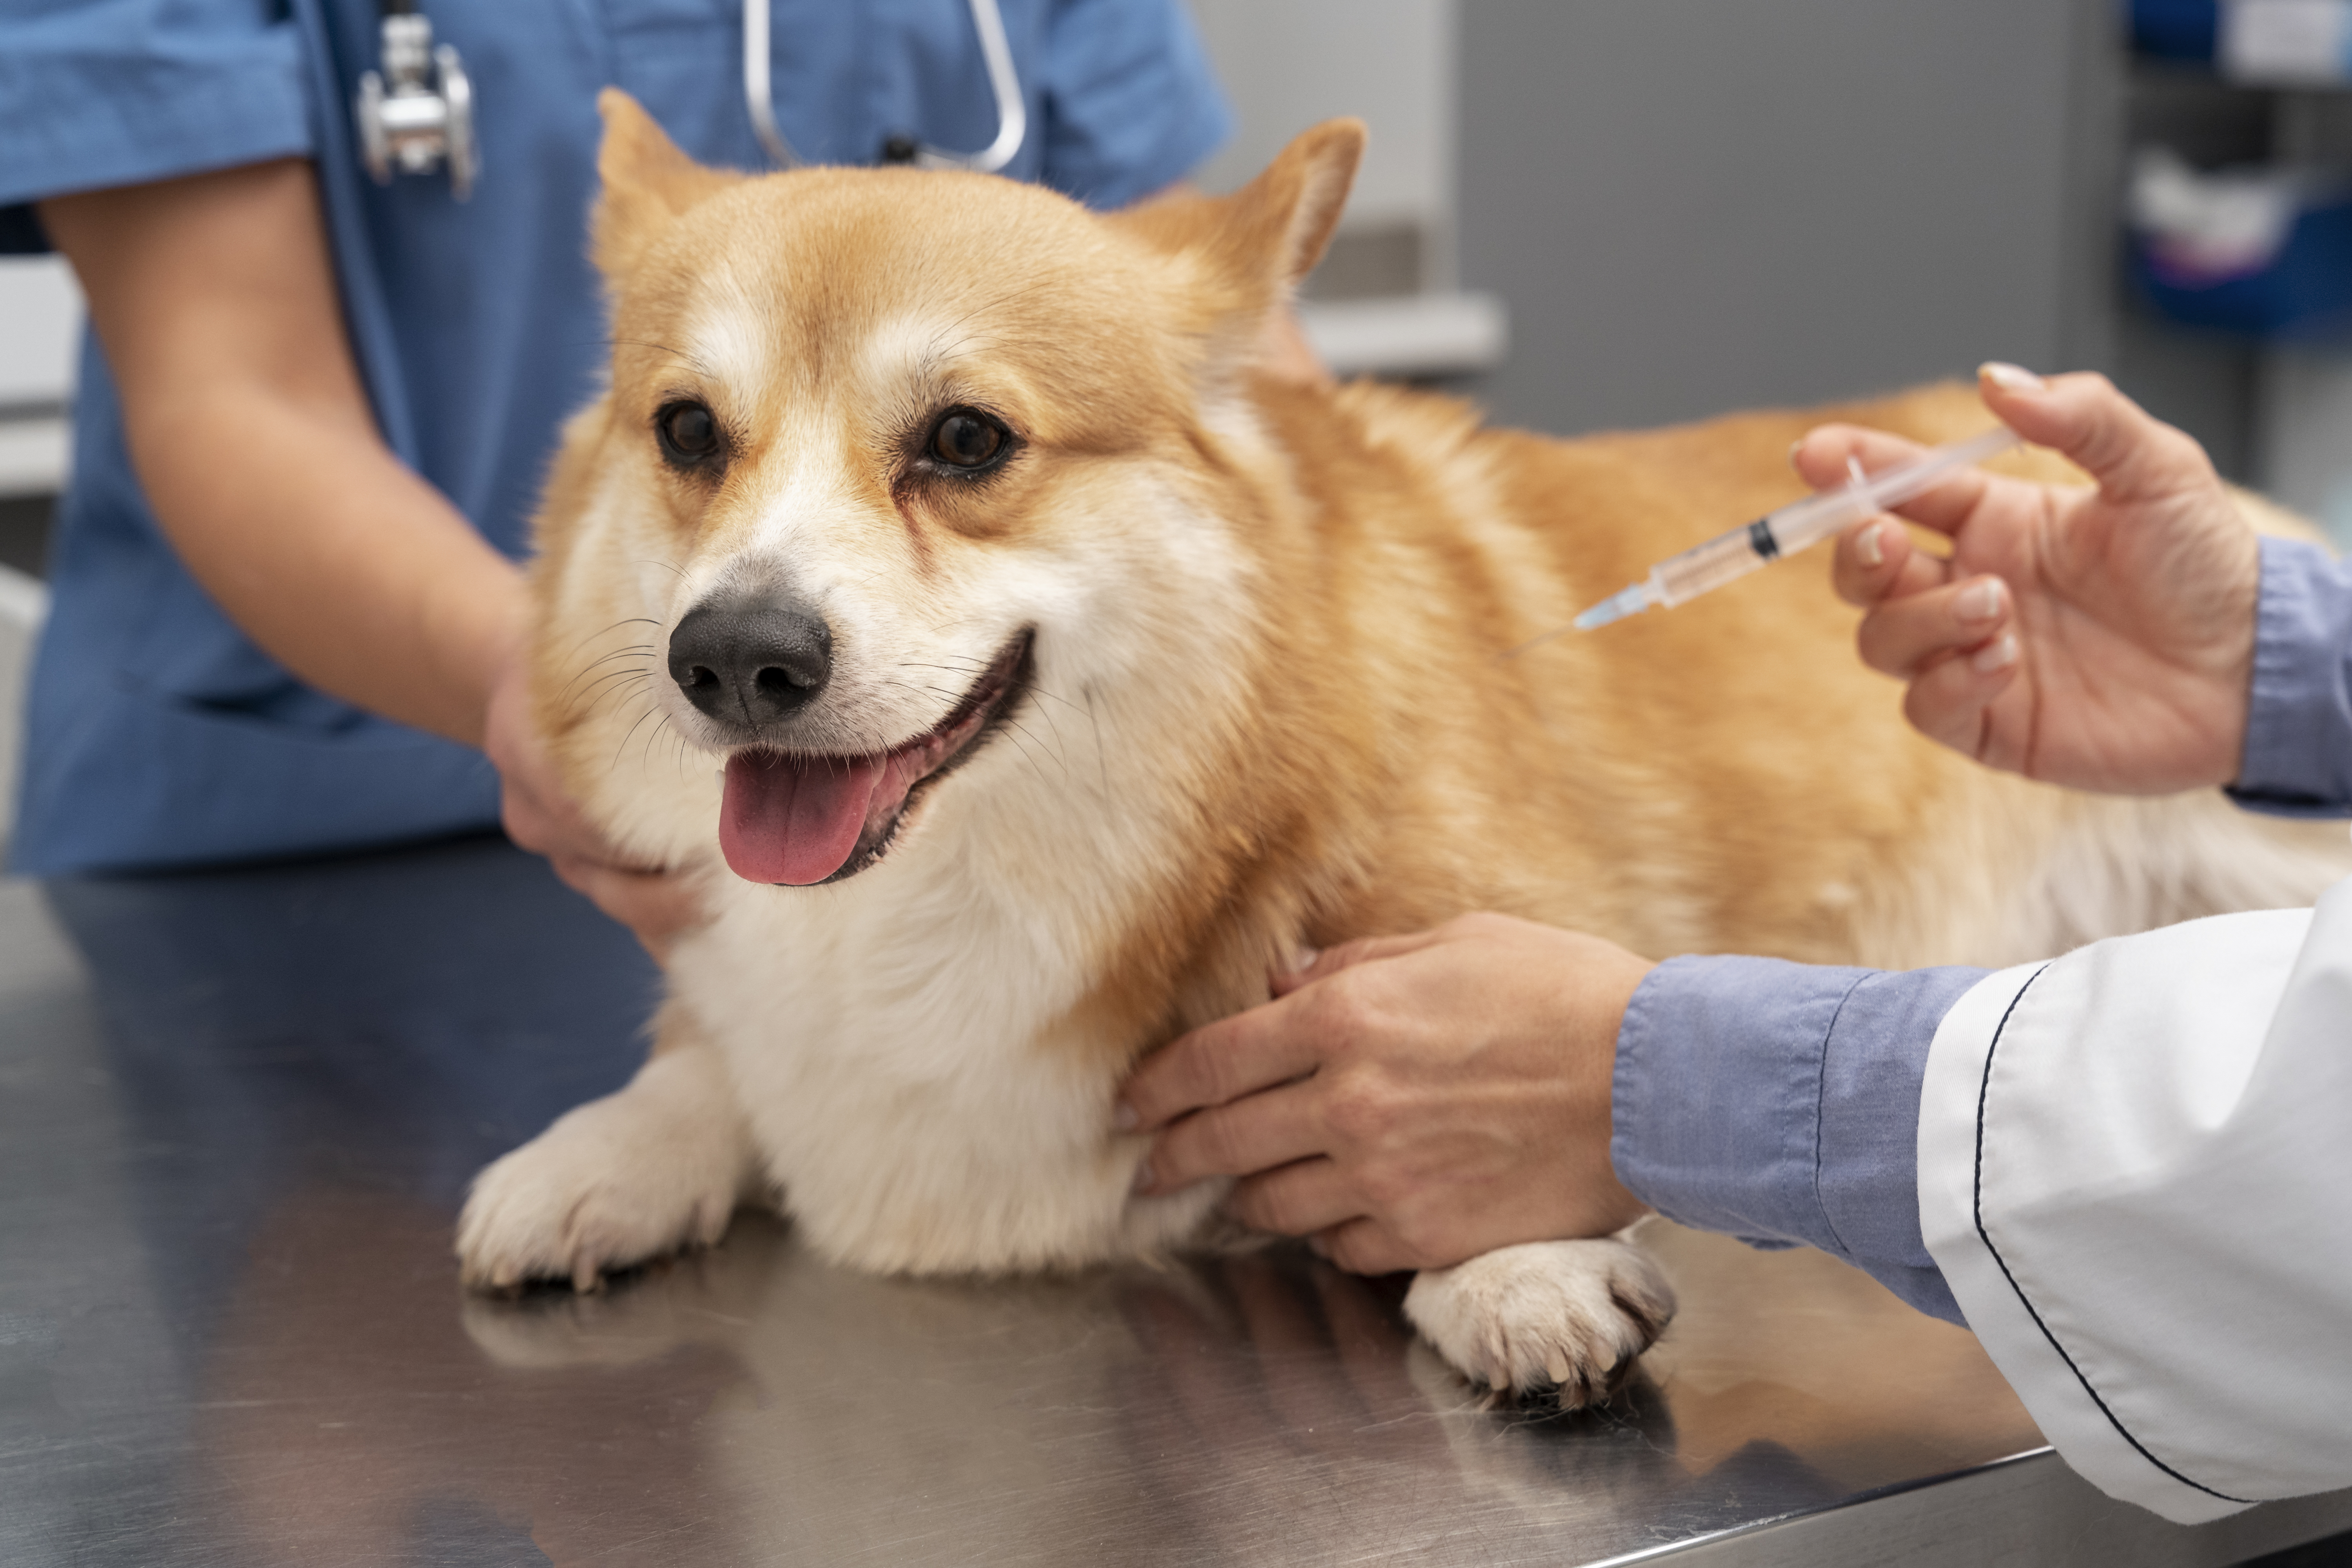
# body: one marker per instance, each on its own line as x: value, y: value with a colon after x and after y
x: 906, y: 1081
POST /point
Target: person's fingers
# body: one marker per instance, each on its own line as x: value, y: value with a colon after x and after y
x: 525, y: 821
x: 1951, y: 701
x: 1256, y: 1132
x: 2133, y: 456
x: 555, y: 826
x: 647, y: 900
x: 1331, y: 961
x: 1902, y: 637
x: 1875, y: 560
x: 1820, y: 455
x: 1364, y: 1246
x: 1820, y: 461
x: 657, y: 905
x: 1216, y: 1063
x: 1298, y: 1199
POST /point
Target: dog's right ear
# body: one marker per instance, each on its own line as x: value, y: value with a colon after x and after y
x: 1256, y: 245
x: 1262, y: 241
x: 647, y: 183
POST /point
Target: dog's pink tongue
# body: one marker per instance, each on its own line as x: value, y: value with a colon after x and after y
x: 788, y: 819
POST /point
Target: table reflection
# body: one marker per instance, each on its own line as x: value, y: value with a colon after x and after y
x: 308, y: 1062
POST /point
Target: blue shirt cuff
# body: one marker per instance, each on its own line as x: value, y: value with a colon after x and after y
x: 96, y: 97
x: 2299, y: 755
x: 1779, y: 1102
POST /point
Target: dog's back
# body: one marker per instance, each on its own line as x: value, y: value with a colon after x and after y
x: 1723, y: 777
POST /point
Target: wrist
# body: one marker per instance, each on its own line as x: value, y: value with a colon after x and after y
x: 476, y: 628
x: 1611, y: 1204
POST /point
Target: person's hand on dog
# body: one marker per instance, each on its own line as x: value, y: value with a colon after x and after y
x: 2099, y: 638
x: 655, y: 904
x: 1409, y: 1102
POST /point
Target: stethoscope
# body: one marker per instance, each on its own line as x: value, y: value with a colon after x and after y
x: 419, y: 112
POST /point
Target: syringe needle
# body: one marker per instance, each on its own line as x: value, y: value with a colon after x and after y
x: 1630, y: 601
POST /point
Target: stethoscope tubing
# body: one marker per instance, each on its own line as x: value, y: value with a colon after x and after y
x: 995, y: 52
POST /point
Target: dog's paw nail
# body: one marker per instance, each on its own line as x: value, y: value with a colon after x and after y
x: 1555, y: 1364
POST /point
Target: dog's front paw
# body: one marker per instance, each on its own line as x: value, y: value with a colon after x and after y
x: 1570, y: 1315
x: 616, y: 1181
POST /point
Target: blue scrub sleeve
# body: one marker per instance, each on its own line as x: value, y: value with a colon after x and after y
x: 1779, y: 1102
x: 97, y: 93
x: 1131, y: 105
x: 2299, y: 755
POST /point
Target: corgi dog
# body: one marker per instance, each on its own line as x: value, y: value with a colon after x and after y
x: 1027, y: 677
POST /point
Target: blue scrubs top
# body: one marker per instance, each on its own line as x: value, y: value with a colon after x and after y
x: 157, y: 734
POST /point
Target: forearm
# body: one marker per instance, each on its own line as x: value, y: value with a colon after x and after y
x: 215, y: 301
x: 332, y: 555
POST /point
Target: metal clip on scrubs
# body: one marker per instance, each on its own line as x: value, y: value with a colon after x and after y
x: 410, y: 124
x: 1730, y: 556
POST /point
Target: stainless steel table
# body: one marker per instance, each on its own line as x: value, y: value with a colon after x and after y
x: 236, y: 1115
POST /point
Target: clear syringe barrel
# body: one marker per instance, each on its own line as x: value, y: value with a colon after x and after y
x: 1802, y: 525
x: 1731, y: 556
x: 1723, y: 559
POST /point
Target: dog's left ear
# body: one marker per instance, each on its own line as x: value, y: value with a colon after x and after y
x: 647, y: 183
x: 1256, y: 243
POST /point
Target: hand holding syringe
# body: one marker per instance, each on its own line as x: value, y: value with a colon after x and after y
x: 1680, y: 578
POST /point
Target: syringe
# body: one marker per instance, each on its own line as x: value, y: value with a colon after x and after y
x: 1679, y: 578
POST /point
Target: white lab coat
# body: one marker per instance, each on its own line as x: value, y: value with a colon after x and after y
x: 2136, y: 1174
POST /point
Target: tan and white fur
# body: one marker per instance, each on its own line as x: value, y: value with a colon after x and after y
x: 1266, y: 705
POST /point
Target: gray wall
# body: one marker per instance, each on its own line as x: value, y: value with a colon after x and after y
x: 1693, y: 205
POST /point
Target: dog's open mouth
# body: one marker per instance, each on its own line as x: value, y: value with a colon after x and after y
x: 801, y: 819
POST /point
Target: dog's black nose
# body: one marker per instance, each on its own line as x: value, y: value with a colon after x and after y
x: 751, y: 662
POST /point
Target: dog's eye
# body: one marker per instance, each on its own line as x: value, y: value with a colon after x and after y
x: 687, y: 433
x: 967, y: 438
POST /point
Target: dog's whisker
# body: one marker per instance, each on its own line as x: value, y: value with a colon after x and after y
x: 1102, y: 761
x: 623, y: 692
x: 624, y: 689
x: 1025, y: 754
x: 603, y: 685
x: 645, y: 756
x: 1059, y: 760
x: 639, y: 652
x: 651, y: 709
x: 616, y: 626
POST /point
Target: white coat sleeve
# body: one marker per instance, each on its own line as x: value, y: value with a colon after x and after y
x: 2135, y: 1175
